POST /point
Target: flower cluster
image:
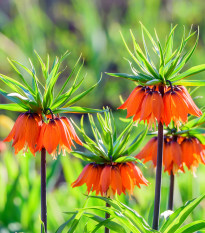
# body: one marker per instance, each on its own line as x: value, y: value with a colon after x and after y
x: 148, y: 103
x: 29, y: 131
x: 109, y: 179
x: 178, y: 151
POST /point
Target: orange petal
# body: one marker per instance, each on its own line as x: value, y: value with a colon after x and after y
x: 32, y: 133
x: 176, y: 153
x: 146, y: 109
x: 96, y: 182
x: 193, y: 109
x: 116, y: 182
x: 41, y: 137
x: 12, y: 133
x: 167, y: 108
x: 157, y: 105
x: 105, y: 178
x: 71, y: 130
x: 51, y: 137
x: 134, y: 105
x: 130, y: 98
x: 65, y: 139
x: 140, y: 179
x: 83, y: 176
x: 126, y: 180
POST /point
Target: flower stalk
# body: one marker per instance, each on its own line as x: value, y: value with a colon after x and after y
x: 158, y: 177
x: 43, y: 191
x: 107, y: 215
x: 171, y: 192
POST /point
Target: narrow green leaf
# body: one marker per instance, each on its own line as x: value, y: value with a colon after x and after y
x: 73, y: 70
x: 151, y: 39
x: 77, y: 109
x: 186, y: 57
x: 13, y: 84
x: 189, y: 82
x: 192, y: 227
x: 176, y: 219
x: 132, y: 55
x: 21, y: 76
x: 15, y: 97
x: 149, y: 66
x: 109, y: 224
x: 136, y: 142
x: 62, y: 227
x: 169, y: 45
x: 43, y: 66
x: 153, y: 82
x: 88, y: 157
x: 118, y: 215
x: 13, y: 107
x: 136, y: 78
x: 194, y: 122
x: 124, y: 159
x: 81, y: 95
x: 189, y: 72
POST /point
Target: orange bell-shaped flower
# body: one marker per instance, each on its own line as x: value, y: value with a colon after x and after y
x: 57, y: 132
x: 109, y: 179
x: 177, y: 152
x: 148, y: 104
x: 193, y: 153
x: 144, y: 103
x: 25, y: 132
x: 178, y: 104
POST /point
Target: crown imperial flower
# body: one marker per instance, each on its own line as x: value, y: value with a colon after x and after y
x: 109, y: 179
x: 30, y: 129
x: 111, y: 169
x: 57, y: 132
x: 25, y: 132
x: 178, y: 151
x: 160, y: 91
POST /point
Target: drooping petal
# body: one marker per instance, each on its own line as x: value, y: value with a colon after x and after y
x: 187, y: 152
x: 130, y: 98
x: 138, y: 176
x: 167, y: 108
x: 126, y: 179
x: 71, y: 130
x: 65, y: 139
x: 116, y: 181
x: 135, y: 103
x: 176, y: 153
x: 193, y: 109
x: 167, y: 157
x: 147, y: 153
x: 146, y: 109
x: 105, y: 179
x: 157, y: 105
x: 83, y: 176
x: 51, y: 137
x: 32, y: 132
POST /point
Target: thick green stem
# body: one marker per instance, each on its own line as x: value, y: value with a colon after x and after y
x: 107, y: 230
x: 43, y: 191
x: 171, y: 192
x: 158, y: 177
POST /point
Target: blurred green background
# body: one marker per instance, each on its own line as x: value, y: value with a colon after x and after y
x: 92, y: 28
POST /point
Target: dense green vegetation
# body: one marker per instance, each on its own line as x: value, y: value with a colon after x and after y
x: 91, y: 28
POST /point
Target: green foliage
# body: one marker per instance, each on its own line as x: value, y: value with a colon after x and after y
x: 91, y: 28
x: 107, y: 146
x: 32, y: 98
x: 125, y: 219
x: 171, y: 61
